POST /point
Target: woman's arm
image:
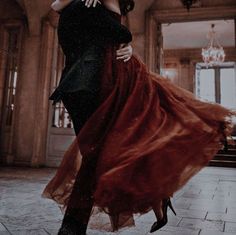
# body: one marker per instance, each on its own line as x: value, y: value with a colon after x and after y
x: 124, y: 53
x: 58, y: 5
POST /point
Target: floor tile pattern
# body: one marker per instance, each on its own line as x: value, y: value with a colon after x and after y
x: 206, y: 205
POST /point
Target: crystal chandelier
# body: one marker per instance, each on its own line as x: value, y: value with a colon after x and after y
x: 214, y: 54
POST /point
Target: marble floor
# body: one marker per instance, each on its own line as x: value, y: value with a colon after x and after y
x: 205, y: 206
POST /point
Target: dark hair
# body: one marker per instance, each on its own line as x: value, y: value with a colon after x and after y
x: 126, y: 6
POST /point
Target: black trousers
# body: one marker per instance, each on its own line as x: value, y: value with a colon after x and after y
x: 80, y: 106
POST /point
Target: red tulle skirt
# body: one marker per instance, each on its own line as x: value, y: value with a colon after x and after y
x: 150, y: 136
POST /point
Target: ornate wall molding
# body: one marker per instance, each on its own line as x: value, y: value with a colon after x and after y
x: 43, y: 84
x: 195, y: 53
x: 196, y: 14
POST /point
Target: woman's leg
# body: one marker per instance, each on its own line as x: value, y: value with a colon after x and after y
x: 80, y: 106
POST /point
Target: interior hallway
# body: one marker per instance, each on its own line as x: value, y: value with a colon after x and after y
x: 205, y: 206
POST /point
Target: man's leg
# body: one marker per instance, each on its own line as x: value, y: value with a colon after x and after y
x: 80, y: 106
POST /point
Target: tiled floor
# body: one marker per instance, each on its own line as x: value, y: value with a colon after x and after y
x: 205, y: 206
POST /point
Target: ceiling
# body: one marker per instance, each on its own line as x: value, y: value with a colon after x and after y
x: 35, y: 11
x: 193, y: 34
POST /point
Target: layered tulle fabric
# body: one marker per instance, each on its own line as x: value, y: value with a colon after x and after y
x: 150, y: 136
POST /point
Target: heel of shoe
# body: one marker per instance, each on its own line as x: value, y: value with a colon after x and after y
x: 171, y: 207
x: 161, y: 222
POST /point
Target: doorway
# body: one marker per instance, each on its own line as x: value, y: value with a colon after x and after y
x: 182, y: 46
x: 217, y: 84
x: 60, y: 133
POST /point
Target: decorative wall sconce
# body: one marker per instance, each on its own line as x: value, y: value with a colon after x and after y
x: 188, y: 3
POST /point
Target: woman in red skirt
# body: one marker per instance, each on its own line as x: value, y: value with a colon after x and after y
x: 148, y: 138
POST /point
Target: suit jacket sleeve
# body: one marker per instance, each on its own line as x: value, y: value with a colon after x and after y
x: 99, y: 18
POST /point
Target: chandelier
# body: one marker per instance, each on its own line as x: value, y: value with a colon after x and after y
x: 188, y: 3
x: 213, y: 54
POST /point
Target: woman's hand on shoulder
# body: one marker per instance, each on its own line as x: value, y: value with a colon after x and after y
x: 89, y: 3
x: 124, y: 53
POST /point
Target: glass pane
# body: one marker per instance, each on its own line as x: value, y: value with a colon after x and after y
x: 61, y: 118
x: 171, y: 74
x: 11, y: 74
x: 206, y: 84
x: 228, y: 87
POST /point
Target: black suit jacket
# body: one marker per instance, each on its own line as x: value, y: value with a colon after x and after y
x: 83, y: 34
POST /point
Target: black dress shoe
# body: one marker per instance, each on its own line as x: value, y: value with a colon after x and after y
x: 70, y: 226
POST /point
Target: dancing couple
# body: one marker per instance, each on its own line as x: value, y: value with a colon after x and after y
x: 139, y: 137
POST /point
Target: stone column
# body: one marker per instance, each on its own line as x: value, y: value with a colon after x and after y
x: 3, y: 58
x: 185, y: 74
x: 192, y: 74
x: 27, y: 110
x: 138, y: 26
x: 42, y: 94
x: 151, y: 43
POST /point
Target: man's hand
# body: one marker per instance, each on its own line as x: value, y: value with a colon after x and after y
x: 124, y: 53
x: 89, y: 3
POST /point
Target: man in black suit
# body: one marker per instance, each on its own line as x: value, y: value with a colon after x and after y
x: 83, y: 34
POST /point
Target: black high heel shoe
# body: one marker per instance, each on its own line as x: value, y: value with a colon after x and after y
x: 70, y: 226
x: 161, y: 223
